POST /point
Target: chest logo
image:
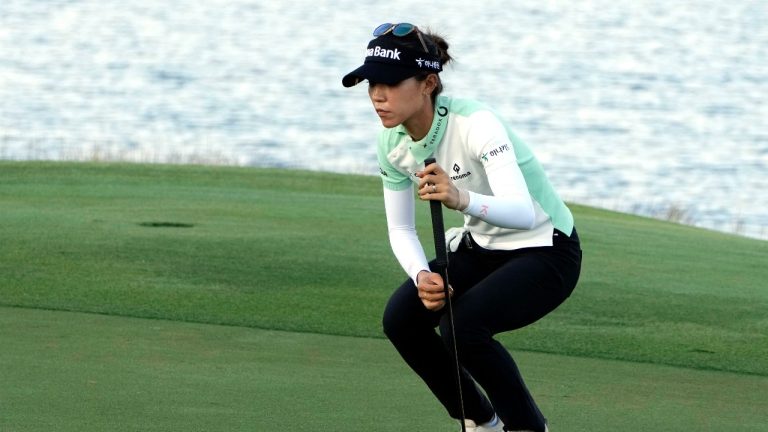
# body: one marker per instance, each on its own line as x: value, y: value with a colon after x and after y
x: 457, y: 170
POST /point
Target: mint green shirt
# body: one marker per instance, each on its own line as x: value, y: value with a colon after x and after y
x: 470, y: 141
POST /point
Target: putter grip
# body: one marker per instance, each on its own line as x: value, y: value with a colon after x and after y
x: 438, y: 230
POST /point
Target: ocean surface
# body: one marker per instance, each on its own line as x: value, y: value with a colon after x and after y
x: 652, y: 107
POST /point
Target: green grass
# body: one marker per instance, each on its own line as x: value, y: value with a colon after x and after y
x: 297, y: 253
x: 94, y: 372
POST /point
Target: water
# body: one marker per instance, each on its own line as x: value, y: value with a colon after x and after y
x: 652, y: 107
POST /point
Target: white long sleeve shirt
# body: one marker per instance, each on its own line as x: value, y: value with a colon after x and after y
x: 512, y: 204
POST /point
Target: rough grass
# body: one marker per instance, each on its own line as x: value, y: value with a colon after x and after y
x: 307, y: 251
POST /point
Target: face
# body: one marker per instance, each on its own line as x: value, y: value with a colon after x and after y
x: 399, y: 103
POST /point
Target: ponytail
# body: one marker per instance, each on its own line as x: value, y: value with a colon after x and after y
x: 439, y: 46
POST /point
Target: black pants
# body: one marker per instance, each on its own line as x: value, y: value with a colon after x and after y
x: 494, y: 291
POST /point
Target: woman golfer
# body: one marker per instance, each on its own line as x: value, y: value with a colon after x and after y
x: 516, y: 258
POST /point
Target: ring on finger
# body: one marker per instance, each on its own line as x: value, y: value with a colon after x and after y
x: 434, y: 188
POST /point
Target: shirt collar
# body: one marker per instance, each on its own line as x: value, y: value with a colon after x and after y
x: 426, y: 146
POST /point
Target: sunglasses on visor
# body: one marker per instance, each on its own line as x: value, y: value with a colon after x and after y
x: 400, y: 30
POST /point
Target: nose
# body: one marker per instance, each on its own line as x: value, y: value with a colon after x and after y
x: 377, y: 92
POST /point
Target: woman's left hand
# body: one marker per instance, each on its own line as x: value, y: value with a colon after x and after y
x: 435, y: 185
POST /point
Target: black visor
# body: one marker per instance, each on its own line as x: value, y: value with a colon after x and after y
x: 390, y: 60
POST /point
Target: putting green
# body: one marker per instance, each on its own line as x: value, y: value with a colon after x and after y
x: 69, y: 371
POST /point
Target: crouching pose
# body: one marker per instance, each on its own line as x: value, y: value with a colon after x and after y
x: 516, y: 258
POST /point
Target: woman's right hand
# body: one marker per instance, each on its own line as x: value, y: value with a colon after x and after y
x: 431, y: 290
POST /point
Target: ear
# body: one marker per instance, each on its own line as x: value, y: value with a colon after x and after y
x: 430, y: 84
x: 432, y: 80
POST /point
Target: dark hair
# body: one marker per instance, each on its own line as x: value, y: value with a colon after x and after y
x: 437, y: 45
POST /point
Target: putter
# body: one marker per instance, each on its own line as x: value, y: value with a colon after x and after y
x: 441, y: 262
